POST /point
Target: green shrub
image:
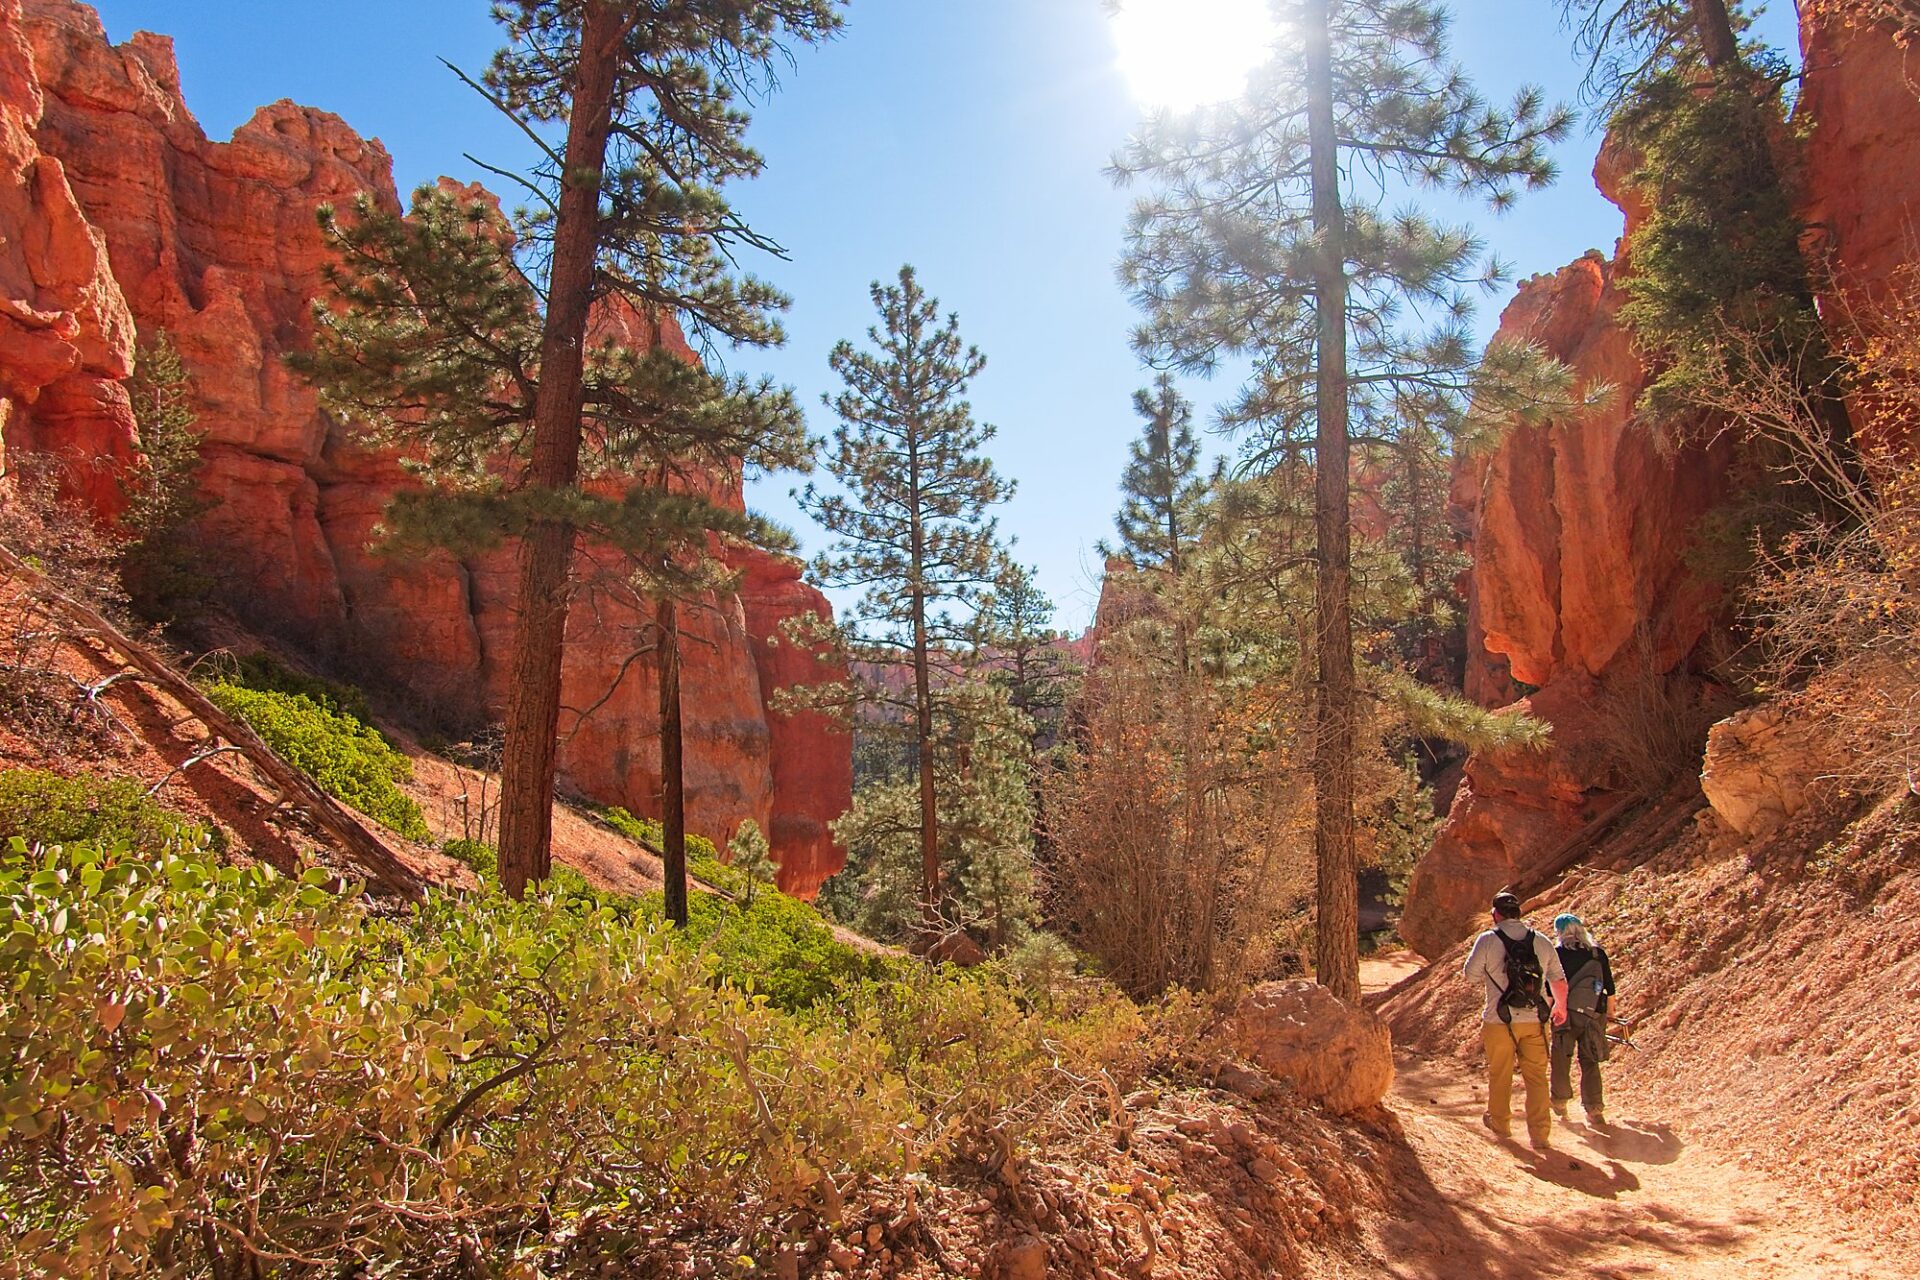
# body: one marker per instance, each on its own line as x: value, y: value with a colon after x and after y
x: 522, y: 1082
x: 703, y: 859
x: 45, y: 808
x: 345, y: 757
x: 268, y: 674
x: 776, y: 945
x: 552, y: 1085
x: 477, y: 855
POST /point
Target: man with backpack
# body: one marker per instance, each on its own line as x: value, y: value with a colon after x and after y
x: 1518, y: 970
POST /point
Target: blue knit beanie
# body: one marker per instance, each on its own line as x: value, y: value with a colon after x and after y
x: 1561, y: 923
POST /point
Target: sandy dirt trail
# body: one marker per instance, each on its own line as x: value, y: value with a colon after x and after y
x: 1634, y: 1201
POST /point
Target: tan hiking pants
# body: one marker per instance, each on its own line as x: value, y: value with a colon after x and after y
x: 1527, y: 1042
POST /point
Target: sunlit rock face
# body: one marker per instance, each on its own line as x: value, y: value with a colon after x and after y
x: 1581, y: 532
x: 1582, y: 529
x: 128, y: 214
x: 1861, y: 183
x: 66, y: 335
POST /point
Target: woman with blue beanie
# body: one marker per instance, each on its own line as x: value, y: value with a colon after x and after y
x: 1589, y: 987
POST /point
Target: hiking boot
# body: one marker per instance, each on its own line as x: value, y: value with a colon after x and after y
x: 1598, y: 1119
x: 1499, y: 1131
x: 1560, y: 1107
x: 1540, y: 1144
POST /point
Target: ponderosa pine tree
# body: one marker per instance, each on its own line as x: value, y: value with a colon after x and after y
x: 1720, y: 248
x: 1162, y: 491
x: 1267, y: 238
x: 476, y: 349
x: 1023, y: 653
x: 912, y: 526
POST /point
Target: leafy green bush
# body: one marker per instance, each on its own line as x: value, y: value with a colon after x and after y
x: 703, y: 859
x: 45, y: 808
x: 776, y: 945
x: 361, y: 1091
x: 477, y: 855
x: 343, y: 755
x: 268, y: 674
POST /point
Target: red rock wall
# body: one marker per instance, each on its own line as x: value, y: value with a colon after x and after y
x: 216, y: 243
x: 1581, y: 529
x: 66, y: 335
x: 1861, y: 99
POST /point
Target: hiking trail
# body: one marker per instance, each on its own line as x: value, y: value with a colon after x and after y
x: 1635, y: 1201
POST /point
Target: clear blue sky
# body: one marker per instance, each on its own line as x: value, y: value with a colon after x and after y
x: 965, y: 136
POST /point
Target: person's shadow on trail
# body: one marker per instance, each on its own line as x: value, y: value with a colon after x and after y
x: 1640, y: 1143
x: 1584, y: 1176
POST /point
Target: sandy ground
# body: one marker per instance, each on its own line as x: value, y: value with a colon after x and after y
x: 1637, y: 1200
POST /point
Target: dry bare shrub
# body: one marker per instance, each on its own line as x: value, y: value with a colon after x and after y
x: 1899, y: 19
x: 1179, y: 851
x: 1650, y: 724
x: 41, y: 522
x: 1836, y: 602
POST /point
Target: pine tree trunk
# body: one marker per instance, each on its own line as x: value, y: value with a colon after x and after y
x: 923, y: 705
x: 673, y: 796
x: 546, y: 553
x: 929, y: 798
x: 1337, y: 935
x: 1715, y: 30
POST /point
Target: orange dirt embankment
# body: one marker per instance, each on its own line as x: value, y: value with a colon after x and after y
x: 1773, y: 988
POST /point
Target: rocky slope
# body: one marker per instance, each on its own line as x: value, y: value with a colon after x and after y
x: 132, y: 218
x: 1770, y: 981
x: 1583, y: 595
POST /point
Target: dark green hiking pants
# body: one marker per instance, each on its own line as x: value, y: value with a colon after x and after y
x: 1569, y: 1043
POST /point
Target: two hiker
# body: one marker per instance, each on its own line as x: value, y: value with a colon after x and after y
x: 1530, y: 983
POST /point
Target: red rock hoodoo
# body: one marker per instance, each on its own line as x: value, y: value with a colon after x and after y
x: 129, y: 215
x: 1581, y: 529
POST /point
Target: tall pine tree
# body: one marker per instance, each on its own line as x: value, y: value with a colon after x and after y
x: 1266, y: 237
x: 479, y: 351
x: 912, y: 527
x: 1162, y: 489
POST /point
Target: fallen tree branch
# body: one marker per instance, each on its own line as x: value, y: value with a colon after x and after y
x: 197, y: 757
x: 359, y: 845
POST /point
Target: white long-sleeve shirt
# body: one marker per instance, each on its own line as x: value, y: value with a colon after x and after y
x: 1487, y: 965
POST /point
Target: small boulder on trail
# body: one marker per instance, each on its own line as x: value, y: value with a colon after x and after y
x: 1334, y: 1053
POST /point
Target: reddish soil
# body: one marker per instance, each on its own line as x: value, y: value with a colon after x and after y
x: 1765, y: 1119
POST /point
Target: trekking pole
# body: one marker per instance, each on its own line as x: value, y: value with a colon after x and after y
x: 1626, y: 1032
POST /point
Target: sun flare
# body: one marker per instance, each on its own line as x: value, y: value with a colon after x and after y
x: 1183, y: 54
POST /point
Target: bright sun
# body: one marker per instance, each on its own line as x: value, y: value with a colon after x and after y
x: 1185, y: 53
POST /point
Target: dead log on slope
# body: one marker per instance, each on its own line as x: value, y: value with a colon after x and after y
x: 359, y: 845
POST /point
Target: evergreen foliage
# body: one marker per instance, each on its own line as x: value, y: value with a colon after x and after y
x: 912, y: 528
x: 159, y: 565
x: 1018, y: 649
x: 1267, y: 237
x: 516, y: 364
x: 1162, y: 490
x: 983, y: 762
x: 750, y: 856
x: 1719, y: 247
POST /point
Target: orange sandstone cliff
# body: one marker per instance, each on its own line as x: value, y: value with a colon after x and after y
x: 1581, y: 530
x: 119, y: 213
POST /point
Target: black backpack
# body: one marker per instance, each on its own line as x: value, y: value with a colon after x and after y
x: 1586, y: 986
x: 1526, y: 985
